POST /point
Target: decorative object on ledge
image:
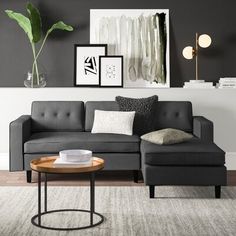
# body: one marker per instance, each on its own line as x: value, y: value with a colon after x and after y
x: 86, y: 68
x: 227, y: 82
x: 32, y: 26
x: 204, y: 85
x: 111, y: 71
x: 142, y: 37
x: 190, y: 52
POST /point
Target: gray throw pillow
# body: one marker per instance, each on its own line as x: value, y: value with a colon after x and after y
x: 167, y: 136
x: 144, y: 112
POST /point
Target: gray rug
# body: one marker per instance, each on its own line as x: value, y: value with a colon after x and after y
x: 128, y: 211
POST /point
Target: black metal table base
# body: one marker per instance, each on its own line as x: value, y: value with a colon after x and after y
x: 36, y: 219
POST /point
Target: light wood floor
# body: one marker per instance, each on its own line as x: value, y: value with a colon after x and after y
x: 106, y: 178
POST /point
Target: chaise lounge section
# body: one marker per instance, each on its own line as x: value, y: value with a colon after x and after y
x: 197, y: 162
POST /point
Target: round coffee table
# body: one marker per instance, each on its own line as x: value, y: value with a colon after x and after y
x: 45, y: 165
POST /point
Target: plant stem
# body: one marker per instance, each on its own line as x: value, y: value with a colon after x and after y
x: 32, y: 78
x: 41, y: 48
x: 35, y: 63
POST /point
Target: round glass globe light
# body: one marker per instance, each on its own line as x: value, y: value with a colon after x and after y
x: 188, y: 52
x: 204, y: 40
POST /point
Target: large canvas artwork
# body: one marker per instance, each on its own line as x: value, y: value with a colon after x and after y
x: 142, y: 37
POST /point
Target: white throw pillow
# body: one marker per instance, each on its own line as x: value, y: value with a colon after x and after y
x: 113, y: 122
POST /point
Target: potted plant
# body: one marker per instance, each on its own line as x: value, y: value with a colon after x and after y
x: 32, y: 26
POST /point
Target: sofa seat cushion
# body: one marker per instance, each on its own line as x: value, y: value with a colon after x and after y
x: 191, y: 153
x: 53, y: 142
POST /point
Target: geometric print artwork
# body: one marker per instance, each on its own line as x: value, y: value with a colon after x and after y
x: 90, y: 65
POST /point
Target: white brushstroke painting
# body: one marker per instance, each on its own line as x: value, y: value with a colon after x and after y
x: 135, y: 34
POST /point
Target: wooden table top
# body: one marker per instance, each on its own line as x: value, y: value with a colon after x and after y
x: 45, y: 165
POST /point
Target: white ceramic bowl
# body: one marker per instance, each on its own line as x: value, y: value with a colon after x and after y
x: 76, y: 155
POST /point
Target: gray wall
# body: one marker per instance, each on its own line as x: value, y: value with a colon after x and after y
x: 215, y: 17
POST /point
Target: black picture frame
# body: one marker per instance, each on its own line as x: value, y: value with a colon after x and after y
x: 121, y: 72
x: 76, y: 46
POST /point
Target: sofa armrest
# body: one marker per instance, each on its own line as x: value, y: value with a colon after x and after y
x: 203, y: 128
x: 20, y: 131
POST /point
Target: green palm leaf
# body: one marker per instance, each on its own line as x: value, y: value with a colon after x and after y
x: 23, y: 22
x: 35, y: 20
x: 60, y: 25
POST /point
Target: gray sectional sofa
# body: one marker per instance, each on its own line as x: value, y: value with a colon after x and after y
x: 57, y: 125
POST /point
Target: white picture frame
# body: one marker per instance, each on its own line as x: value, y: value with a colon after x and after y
x: 96, y: 15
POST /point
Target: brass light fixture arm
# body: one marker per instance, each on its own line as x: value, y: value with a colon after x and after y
x: 196, y: 55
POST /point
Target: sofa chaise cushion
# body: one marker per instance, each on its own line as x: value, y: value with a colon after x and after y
x: 191, y: 153
x: 53, y: 142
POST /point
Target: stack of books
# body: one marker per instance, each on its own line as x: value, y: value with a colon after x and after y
x: 199, y: 84
x: 227, y: 82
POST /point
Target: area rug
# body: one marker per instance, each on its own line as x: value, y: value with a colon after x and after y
x: 128, y: 211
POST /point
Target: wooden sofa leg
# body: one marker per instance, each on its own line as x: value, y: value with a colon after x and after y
x: 152, y: 191
x: 136, y: 176
x: 28, y: 176
x: 217, y: 191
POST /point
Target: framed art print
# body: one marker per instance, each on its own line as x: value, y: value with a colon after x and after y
x: 111, y: 71
x: 87, y: 64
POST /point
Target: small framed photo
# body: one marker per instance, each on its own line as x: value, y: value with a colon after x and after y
x: 87, y: 64
x: 111, y: 71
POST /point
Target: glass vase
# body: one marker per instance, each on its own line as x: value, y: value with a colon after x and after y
x: 34, y: 81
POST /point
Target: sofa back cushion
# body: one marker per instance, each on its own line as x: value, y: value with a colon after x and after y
x: 91, y: 106
x: 57, y: 116
x: 176, y: 115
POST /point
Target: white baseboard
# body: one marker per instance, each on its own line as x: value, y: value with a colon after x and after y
x: 230, y: 161
x: 4, y: 161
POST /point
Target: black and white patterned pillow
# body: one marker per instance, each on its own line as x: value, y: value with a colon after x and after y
x: 145, y: 110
